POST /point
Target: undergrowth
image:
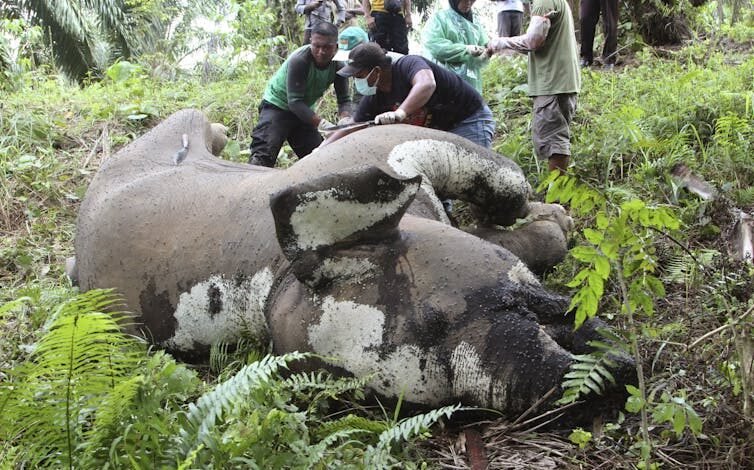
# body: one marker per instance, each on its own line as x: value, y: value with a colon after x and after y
x: 631, y: 127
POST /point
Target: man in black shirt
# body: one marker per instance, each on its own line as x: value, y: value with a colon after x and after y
x: 414, y: 90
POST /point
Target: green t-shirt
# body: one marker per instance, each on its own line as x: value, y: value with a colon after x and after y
x: 554, y: 67
x: 314, y: 84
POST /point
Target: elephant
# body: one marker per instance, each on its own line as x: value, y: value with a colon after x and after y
x: 347, y: 254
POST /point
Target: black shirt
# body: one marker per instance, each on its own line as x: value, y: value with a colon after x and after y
x: 453, y: 100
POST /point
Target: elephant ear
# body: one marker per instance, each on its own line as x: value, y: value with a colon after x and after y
x: 315, y: 218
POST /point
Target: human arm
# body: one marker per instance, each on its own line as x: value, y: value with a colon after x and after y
x: 423, y: 85
x: 532, y: 40
x: 343, y: 96
x: 367, y: 7
x: 298, y: 70
x: 443, y: 42
x: 340, y: 13
x: 304, y: 8
x: 407, y: 14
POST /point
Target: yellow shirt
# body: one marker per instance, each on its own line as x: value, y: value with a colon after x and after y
x: 378, y: 5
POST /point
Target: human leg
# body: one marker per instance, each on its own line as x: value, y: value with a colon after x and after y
x: 307, y: 36
x: 551, y: 133
x: 501, y: 24
x: 478, y: 128
x: 516, y: 20
x: 304, y: 138
x: 398, y: 33
x: 589, y: 12
x: 505, y: 29
x: 379, y: 33
x: 268, y: 136
x: 610, y: 30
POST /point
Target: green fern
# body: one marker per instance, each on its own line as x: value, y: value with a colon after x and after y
x: 320, y: 386
x: 404, y: 431
x: 227, y: 359
x: 352, y: 422
x: 211, y: 407
x: 49, y: 402
x: 590, y: 373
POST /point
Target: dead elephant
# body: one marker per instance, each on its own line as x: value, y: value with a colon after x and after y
x: 345, y: 254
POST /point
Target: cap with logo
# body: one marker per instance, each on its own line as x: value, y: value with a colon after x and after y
x: 365, y: 56
x: 347, y: 40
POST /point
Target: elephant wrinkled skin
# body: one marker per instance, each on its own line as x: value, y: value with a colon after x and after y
x: 347, y: 254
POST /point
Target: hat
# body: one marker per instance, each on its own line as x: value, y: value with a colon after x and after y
x: 364, y: 56
x: 347, y: 40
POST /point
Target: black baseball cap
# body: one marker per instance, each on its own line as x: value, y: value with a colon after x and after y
x: 364, y: 56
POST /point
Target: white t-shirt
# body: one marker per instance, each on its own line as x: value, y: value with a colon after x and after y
x: 509, y: 5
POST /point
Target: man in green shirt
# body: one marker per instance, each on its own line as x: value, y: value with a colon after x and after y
x: 286, y: 110
x: 554, y: 77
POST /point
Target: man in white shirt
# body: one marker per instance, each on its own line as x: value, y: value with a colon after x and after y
x: 510, y: 17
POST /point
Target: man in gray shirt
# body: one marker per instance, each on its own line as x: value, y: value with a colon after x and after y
x: 320, y: 11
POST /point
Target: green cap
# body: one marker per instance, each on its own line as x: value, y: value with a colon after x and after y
x: 347, y: 40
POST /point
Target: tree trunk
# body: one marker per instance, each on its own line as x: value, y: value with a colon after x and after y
x: 574, y: 4
x: 660, y: 22
x: 288, y: 24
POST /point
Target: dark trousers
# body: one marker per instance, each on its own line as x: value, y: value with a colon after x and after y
x: 509, y: 23
x: 390, y: 32
x: 590, y: 13
x: 275, y: 126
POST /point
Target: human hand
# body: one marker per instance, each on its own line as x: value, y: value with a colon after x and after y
x: 475, y: 51
x: 345, y: 120
x: 497, y: 45
x: 324, y: 125
x: 390, y: 117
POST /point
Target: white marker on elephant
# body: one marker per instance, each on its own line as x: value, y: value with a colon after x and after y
x: 352, y: 334
x: 470, y: 379
x: 520, y: 274
x: 351, y: 270
x: 325, y: 217
x: 241, y: 309
x: 449, y: 168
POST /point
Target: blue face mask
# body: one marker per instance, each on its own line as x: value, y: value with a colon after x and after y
x: 362, y: 85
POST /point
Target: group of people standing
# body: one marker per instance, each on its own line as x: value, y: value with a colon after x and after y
x: 441, y: 90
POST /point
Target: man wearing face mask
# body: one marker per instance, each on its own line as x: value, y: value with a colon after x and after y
x: 415, y: 90
x: 286, y: 110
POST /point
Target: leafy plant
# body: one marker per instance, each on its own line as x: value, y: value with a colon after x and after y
x: 47, y: 405
x: 618, y: 244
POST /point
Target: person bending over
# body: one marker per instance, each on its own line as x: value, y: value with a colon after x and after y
x: 286, y: 113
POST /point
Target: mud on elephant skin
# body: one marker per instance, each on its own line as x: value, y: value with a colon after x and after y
x: 344, y: 254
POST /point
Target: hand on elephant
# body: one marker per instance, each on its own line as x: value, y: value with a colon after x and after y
x: 390, y: 117
x: 345, y: 120
x: 325, y: 126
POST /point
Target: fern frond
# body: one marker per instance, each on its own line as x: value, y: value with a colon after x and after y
x: 50, y: 400
x: 326, y: 386
x: 316, y: 454
x: 416, y: 426
x: 354, y: 423
x: 589, y: 373
x: 209, y: 408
